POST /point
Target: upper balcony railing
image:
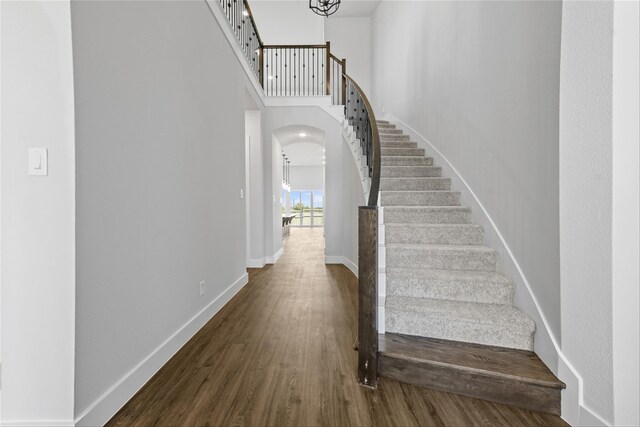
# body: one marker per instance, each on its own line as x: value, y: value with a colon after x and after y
x: 312, y: 70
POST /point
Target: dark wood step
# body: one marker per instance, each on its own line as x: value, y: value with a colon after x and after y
x: 513, y: 377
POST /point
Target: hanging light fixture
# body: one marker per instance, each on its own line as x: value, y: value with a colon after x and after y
x: 324, y: 7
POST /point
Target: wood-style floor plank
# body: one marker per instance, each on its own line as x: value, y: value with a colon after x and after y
x: 280, y: 354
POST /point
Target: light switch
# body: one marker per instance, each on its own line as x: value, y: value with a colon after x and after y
x: 38, y: 162
x: 242, y: 193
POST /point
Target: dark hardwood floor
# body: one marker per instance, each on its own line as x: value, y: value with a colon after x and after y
x: 281, y: 354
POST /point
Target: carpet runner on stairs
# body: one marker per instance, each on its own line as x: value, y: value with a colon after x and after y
x: 442, y: 284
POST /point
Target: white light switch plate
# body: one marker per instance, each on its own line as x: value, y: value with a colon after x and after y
x: 38, y: 162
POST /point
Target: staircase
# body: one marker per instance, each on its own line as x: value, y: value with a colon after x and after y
x: 449, y: 315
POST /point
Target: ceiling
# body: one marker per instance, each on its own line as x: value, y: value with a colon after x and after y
x: 304, y: 154
x: 356, y: 8
x: 348, y: 8
x: 303, y: 145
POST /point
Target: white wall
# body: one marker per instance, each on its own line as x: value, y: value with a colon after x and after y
x: 479, y: 81
x: 255, y: 188
x: 38, y: 212
x: 585, y: 198
x: 353, y: 196
x: 307, y: 177
x: 351, y: 39
x: 160, y: 164
x: 336, y: 212
x: 287, y: 22
x: 626, y: 213
x: 273, y: 184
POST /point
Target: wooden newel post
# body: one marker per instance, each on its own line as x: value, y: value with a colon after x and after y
x: 327, y: 69
x: 344, y: 81
x: 368, y: 296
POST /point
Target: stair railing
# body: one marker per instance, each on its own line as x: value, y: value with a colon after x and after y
x: 244, y: 27
x: 312, y: 70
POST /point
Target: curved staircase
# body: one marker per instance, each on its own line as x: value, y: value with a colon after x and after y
x: 450, y: 320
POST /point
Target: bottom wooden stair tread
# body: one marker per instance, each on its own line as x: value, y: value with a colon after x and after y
x: 514, y: 377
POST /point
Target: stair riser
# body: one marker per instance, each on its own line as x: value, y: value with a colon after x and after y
x: 425, y: 326
x: 437, y: 259
x: 419, y: 216
x: 471, y: 384
x: 402, y: 152
x: 388, y: 131
x: 409, y: 198
x: 449, y: 235
x: 414, y: 184
x: 398, y: 144
x: 481, y: 292
x: 395, y: 138
x: 406, y: 161
x: 382, y: 126
x: 415, y: 171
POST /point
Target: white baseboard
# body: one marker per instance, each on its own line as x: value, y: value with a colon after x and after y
x: 332, y: 259
x: 37, y: 423
x: 589, y: 418
x: 574, y: 411
x: 273, y: 259
x: 256, y: 263
x: 110, y: 402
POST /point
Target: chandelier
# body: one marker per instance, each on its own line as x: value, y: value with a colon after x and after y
x: 324, y: 7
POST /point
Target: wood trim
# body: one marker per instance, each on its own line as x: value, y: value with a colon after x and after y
x: 294, y: 46
x: 261, y: 65
x: 498, y: 374
x: 344, y: 81
x: 375, y: 177
x: 327, y: 69
x: 253, y: 22
x: 368, y: 296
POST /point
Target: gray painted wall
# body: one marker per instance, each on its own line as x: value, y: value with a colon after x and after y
x: 479, y: 80
x: 585, y: 198
x: 160, y: 163
x: 351, y: 39
x: 38, y: 243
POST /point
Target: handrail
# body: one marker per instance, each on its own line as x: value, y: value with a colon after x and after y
x: 375, y: 145
x: 253, y: 22
x: 294, y: 46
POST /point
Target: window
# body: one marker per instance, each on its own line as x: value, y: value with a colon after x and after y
x: 308, y: 206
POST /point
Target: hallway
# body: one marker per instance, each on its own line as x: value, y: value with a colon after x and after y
x: 280, y: 354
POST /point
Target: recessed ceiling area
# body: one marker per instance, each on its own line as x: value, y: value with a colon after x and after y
x: 303, y: 145
x: 304, y: 154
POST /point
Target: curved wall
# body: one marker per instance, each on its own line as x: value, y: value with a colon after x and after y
x: 480, y: 81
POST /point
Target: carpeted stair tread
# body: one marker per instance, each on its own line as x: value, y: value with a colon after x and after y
x: 489, y: 324
x: 429, y: 234
x: 414, y: 183
x: 410, y: 171
x: 441, y: 257
x: 485, y: 287
x: 420, y: 198
x: 427, y: 214
x: 406, y: 161
x: 401, y: 151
